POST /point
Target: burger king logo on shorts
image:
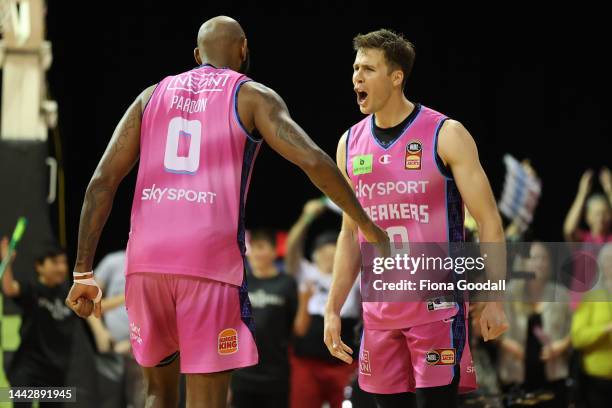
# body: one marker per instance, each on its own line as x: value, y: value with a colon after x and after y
x: 227, y: 341
x: 440, y: 357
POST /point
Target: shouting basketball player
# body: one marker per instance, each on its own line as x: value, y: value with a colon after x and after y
x: 404, y: 142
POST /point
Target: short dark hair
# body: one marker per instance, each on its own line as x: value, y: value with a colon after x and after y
x: 325, y: 238
x: 398, y: 51
x: 263, y: 234
x: 49, y: 252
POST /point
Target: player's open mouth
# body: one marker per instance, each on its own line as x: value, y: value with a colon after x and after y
x: 361, y: 97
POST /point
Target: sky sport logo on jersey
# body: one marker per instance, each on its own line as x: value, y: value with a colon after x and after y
x: 198, y: 82
x: 228, y: 341
x: 157, y: 194
x: 414, y: 150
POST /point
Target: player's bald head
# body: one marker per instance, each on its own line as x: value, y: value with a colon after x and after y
x: 222, y: 42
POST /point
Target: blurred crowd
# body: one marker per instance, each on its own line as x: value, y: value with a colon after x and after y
x: 554, y: 354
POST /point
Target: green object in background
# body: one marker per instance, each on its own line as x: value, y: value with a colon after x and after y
x: 22, y: 222
x: 9, y: 341
x: 10, y: 332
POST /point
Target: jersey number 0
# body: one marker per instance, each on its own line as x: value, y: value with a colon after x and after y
x: 183, y: 146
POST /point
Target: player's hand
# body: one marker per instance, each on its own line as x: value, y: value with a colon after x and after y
x: 81, y: 300
x: 493, y: 322
x: 331, y: 337
x: 377, y: 236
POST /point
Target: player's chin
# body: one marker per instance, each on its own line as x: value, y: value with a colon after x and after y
x: 365, y: 109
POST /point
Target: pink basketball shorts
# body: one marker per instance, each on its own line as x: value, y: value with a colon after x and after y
x: 427, y: 355
x: 209, y: 323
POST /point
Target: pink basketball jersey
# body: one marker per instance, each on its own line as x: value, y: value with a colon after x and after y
x: 194, y: 172
x: 406, y: 190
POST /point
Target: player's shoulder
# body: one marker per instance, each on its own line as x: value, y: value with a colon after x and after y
x: 253, y: 92
x: 453, y: 126
x: 145, y: 96
x: 354, y: 130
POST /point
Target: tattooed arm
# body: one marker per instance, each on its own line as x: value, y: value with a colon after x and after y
x: 119, y: 158
x: 263, y: 109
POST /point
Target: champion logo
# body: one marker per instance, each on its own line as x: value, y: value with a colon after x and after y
x: 384, y: 159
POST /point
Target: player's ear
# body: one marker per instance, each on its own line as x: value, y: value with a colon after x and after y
x: 244, y: 50
x: 397, y: 77
x: 196, y: 55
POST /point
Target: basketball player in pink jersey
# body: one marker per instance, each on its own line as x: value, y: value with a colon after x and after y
x: 411, y: 168
x: 185, y: 292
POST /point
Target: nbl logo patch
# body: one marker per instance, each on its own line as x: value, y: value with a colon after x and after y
x: 440, y: 357
x: 414, y: 151
x: 227, y: 341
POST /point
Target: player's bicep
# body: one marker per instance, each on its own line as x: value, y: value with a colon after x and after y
x: 279, y: 130
x: 458, y: 149
x: 123, y: 149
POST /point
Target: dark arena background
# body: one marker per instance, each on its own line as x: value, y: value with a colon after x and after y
x: 532, y: 86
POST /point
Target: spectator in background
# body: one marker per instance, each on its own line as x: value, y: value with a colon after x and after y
x: 534, y: 352
x: 592, y: 335
x: 317, y: 376
x: 273, y: 296
x: 116, y: 363
x: 598, y: 213
x: 598, y: 219
x: 48, y: 325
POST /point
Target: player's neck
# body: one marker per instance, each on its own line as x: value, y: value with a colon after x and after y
x: 217, y: 63
x: 394, y: 112
x: 265, y: 272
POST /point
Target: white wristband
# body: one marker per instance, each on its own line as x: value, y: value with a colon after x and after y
x: 81, y: 274
x: 88, y: 282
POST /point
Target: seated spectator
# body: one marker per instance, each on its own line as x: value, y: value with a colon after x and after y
x: 48, y: 325
x: 534, y: 352
x: 273, y: 296
x: 592, y: 336
x: 317, y: 377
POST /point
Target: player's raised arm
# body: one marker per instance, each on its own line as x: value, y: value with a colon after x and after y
x: 458, y: 150
x: 346, y: 268
x: 262, y: 108
x: 118, y: 159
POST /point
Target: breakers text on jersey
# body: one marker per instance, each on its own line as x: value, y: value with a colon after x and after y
x: 394, y: 211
